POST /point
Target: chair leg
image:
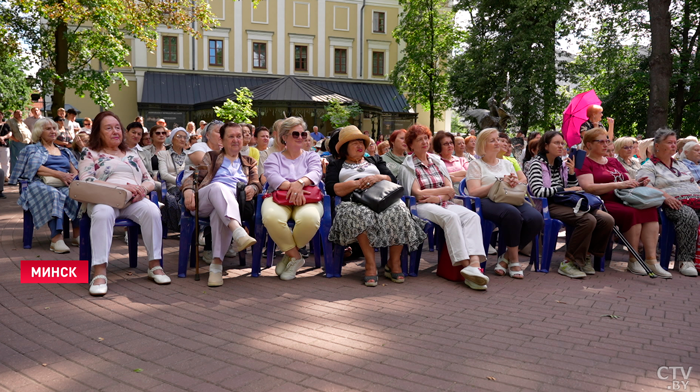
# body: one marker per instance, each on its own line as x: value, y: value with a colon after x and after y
x: 257, y: 249
x: 85, y: 251
x: 133, y: 246
x: 431, y: 240
x: 66, y: 227
x: 334, y: 264
x: 549, y: 243
x: 383, y: 256
x: 270, y: 249
x: 316, y: 242
x: 28, y: 232
x: 186, y: 241
x: 666, y: 241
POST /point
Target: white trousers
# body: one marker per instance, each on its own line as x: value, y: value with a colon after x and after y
x: 5, y: 160
x: 462, y: 229
x: 145, y: 213
x: 218, y: 202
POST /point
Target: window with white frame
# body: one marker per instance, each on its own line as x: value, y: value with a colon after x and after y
x: 379, y: 22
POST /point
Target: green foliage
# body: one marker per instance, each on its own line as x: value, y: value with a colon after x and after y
x: 14, y: 88
x: 511, y: 50
x: 457, y: 127
x: 339, y: 115
x: 428, y: 30
x: 238, y: 111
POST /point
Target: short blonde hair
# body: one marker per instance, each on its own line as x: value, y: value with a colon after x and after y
x: 287, y: 124
x: 481, y: 139
x: 39, y: 128
x: 592, y: 135
x: 593, y: 109
x: 623, y: 142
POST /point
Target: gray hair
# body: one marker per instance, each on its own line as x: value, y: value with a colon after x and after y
x: 688, y: 146
x: 662, y: 133
x: 39, y: 128
x: 287, y: 126
x: 208, y: 128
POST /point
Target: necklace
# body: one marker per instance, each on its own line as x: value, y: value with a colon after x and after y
x: 360, y: 167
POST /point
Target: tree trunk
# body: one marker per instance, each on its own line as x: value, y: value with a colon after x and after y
x: 59, y: 85
x: 683, y: 70
x: 660, y: 66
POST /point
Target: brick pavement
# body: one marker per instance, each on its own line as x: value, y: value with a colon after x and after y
x: 545, y: 333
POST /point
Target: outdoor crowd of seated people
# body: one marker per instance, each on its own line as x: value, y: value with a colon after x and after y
x: 230, y: 158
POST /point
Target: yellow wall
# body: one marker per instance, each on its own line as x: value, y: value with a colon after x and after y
x: 124, y: 103
x: 440, y: 125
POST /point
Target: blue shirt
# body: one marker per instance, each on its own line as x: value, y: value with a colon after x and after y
x: 694, y: 168
x: 230, y: 174
x: 317, y: 136
x: 58, y: 162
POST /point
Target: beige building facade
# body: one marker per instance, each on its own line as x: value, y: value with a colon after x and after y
x: 342, y: 47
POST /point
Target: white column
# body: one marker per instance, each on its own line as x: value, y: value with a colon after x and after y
x: 282, y: 36
x: 386, y: 63
x: 159, y: 52
x: 368, y: 72
x: 139, y: 84
x: 349, y: 62
x: 140, y: 54
x: 238, y: 58
x: 291, y: 58
x: 331, y: 62
x: 362, y: 47
x: 237, y: 38
x: 268, y: 54
x: 250, y: 55
x: 205, y: 43
x: 180, y: 51
x: 322, y: 38
x: 311, y: 60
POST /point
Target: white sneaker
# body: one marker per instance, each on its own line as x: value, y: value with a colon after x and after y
x: 216, y: 275
x: 59, y: 247
x: 200, y: 240
x: 98, y: 289
x: 231, y: 252
x: 570, y: 269
x: 688, y: 269
x: 75, y: 241
x: 282, y: 265
x: 588, y: 266
x: 126, y: 237
x: 290, y: 272
x: 634, y: 267
x: 660, y: 272
x: 243, y: 241
x: 492, y: 251
x: 207, y: 256
x: 474, y: 275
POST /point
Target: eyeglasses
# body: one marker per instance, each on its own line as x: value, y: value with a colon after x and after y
x: 447, y: 143
x: 160, y: 133
x: 561, y: 144
x: 297, y: 134
x: 180, y: 136
x: 602, y: 141
x: 628, y: 147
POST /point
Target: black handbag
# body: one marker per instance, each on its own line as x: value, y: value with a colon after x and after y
x: 379, y: 196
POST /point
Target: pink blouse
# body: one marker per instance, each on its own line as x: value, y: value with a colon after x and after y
x: 455, y: 164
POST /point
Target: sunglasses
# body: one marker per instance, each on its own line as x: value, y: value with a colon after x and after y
x: 160, y: 133
x: 297, y: 134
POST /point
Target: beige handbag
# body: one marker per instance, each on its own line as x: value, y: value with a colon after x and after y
x: 96, y: 193
x: 502, y: 193
x: 52, y: 181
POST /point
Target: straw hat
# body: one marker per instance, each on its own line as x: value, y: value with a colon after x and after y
x: 349, y: 134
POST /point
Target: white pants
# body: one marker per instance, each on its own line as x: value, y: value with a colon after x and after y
x: 145, y: 213
x: 462, y: 229
x: 218, y: 202
x: 5, y: 160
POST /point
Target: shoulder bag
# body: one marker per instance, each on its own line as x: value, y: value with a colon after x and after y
x: 96, y: 193
x: 379, y: 196
x: 580, y: 201
x: 52, y: 181
x: 502, y: 193
x: 641, y: 197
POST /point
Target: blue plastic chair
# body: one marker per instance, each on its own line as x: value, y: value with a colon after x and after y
x: 666, y: 240
x: 132, y: 228
x: 163, y: 192
x: 319, y: 241
x: 187, y: 251
x: 28, y: 229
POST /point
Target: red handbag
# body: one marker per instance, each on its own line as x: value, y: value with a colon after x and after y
x: 280, y: 197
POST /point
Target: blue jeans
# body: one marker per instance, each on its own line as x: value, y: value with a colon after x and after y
x: 15, y: 149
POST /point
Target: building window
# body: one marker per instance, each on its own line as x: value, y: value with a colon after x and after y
x: 169, y: 49
x: 341, y: 61
x: 216, y: 52
x: 378, y: 63
x: 259, y: 55
x: 379, y: 22
x: 300, y: 58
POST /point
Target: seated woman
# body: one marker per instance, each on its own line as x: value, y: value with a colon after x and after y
x: 291, y: 170
x: 220, y: 175
x: 682, y: 204
x: 80, y: 141
x: 424, y: 176
x: 354, y: 222
x: 211, y: 141
x: 517, y: 225
x: 601, y: 176
x: 548, y: 175
x: 444, y: 145
x: 395, y: 156
x: 158, y: 137
x: 50, y: 170
x: 107, y: 160
x: 624, y: 148
x: 468, y: 150
x: 133, y: 137
x: 533, y: 148
x: 690, y: 156
x: 247, y: 139
x: 170, y: 163
x: 506, y: 151
x: 383, y: 147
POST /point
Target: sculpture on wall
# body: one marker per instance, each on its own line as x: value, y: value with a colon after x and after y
x: 496, y: 116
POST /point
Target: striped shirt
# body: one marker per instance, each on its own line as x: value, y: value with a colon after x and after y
x: 538, y: 184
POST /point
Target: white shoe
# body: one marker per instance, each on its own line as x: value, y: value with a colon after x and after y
x: 201, y: 240
x: 634, y: 267
x: 75, y: 241
x: 59, y: 247
x: 688, y: 269
x: 126, y: 237
x: 474, y: 275
x: 492, y: 250
x: 159, y: 279
x: 207, y: 256
x: 588, y: 266
x: 216, y: 275
x: 98, y: 289
x: 244, y: 241
x: 290, y: 272
x: 231, y: 252
x: 660, y: 272
x: 282, y: 265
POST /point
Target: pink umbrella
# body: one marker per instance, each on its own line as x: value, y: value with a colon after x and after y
x: 575, y: 116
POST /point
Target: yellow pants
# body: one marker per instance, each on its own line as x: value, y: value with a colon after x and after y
x: 307, y: 220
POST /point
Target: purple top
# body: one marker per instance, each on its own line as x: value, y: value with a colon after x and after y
x: 279, y: 169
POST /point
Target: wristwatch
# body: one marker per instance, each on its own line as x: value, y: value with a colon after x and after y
x: 301, y: 181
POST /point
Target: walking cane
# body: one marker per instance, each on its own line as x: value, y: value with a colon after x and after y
x: 631, y: 249
x: 195, y: 176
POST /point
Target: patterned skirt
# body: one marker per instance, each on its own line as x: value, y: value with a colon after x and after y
x: 393, y: 226
x: 171, y: 212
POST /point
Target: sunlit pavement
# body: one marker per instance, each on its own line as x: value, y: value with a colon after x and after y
x: 610, y: 332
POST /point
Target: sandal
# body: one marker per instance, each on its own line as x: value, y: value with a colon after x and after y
x: 515, y: 274
x: 371, y: 281
x: 395, y: 277
x: 501, y: 270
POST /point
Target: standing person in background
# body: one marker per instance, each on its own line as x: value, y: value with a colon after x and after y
x: 202, y: 124
x: 21, y: 136
x: 595, y: 116
x: 34, y: 115
x: 5, y: 134
x: 71, y: 125
x: 316, y: 135
x: 64, y: 138
x: 87, y: 125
